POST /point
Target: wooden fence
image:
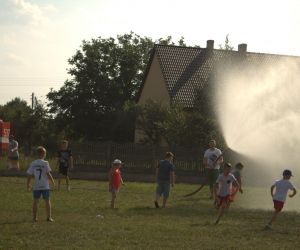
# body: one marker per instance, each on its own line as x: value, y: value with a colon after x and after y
x: 136, y: 158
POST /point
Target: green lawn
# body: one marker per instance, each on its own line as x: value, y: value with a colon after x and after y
x: 186, y: 224
x: 25, y: 162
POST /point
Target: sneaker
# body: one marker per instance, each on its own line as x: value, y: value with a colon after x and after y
x: 156, y: 204
x: 267, y: 227
x: 35, y: 220
x: 50, y: 220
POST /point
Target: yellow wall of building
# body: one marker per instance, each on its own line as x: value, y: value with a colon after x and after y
x: 154, y: 89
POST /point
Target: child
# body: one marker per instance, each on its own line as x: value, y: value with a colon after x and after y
x: 65, y: 161
x: 237, y: 174
x: 40, y: 170
x: 279, y: 196
x: 223, y: 190
x: 13, y: 154
x: 165, y: 177
x: 115, y: 180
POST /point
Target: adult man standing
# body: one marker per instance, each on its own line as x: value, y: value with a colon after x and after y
x: 211, y: 161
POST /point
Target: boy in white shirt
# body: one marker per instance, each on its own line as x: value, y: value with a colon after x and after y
x: 279, y: 196
x: 223, y: 190
x: 40, y: 171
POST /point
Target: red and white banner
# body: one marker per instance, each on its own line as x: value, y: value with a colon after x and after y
x: 4, y: 134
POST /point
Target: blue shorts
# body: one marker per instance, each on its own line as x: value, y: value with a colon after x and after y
x: 163, y: 188
x: 38, y: 193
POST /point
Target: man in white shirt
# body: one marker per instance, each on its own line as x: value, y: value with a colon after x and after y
x: 40, y: 171
x: 211, y: 161
x: 213, y: 157
x: 279, y: 196
x: 223, y: 190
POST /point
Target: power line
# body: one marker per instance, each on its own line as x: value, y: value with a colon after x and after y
x: 29, y: 85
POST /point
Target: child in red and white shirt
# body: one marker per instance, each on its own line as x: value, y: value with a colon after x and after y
x: 115, y: 180
x: 279, y: 196
x: 223, y: 190
x: 237, y: 174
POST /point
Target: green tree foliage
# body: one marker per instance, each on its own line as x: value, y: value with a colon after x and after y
x: 105, y: 74
x: 177, y: 126
x: 19, y: 114
x: 227, y: 45
x: 31, y: 127
x: 150, y: 121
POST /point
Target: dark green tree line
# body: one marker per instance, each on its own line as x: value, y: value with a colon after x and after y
x: 106, y: 75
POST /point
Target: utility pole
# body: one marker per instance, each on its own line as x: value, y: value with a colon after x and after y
x: 32, y: 101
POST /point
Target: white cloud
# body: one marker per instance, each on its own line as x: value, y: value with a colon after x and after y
x: 8, y: 39
x: 22, y: 12
x: 16, y: 59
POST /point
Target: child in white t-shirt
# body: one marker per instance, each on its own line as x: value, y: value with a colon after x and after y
x: 40, y: 171
x: 223, y: 190
x: 279, y: 196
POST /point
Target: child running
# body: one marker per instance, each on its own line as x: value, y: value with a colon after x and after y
x: 65, y: 162
x: 40, y: 170
x: 279, y: 196
x: 237, y: 174
x: 223, y: 190
x: 115, y: 180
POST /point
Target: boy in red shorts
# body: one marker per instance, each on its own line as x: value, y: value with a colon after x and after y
x: 279, y: 196
x: 115, y: 181
x: 223, y: 190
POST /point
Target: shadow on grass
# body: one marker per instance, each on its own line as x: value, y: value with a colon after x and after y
x: 13, y: 222
x: 182, y: 210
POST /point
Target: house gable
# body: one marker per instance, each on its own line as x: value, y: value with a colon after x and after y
x: 154, y: 87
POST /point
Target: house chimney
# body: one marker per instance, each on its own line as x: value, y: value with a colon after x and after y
x: 210, y: 45
x: 242, y: 48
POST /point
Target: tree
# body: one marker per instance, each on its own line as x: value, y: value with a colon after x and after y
x: 105, y: 74
x: 150, y: 121
x: 31, y: 127
x: 227, y: 45
x: 177, y: 126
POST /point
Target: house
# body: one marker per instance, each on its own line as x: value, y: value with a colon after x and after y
x: 175, y: 73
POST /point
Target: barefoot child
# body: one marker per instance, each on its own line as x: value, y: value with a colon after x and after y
x: 115, y: 181
x: 40, y: 171
x: 237, y: 174
x: 13, y: 154
x: 279, y: 196
x: 65, y: 162
x: 223, y: 190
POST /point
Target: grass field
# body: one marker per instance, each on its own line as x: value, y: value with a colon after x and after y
x: 25, y: 162
x: 186, y: 224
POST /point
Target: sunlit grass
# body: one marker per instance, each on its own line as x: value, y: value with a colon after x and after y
x: 187, y: 223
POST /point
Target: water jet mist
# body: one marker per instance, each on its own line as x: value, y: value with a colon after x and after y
x: 258, y: 107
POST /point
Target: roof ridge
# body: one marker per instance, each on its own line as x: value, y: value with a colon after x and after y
x: 223, y: 50
x: 177, y: 46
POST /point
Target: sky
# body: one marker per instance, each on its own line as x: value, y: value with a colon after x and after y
x: 38, y: 36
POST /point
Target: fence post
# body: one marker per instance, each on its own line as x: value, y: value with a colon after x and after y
x: 199, y: 162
